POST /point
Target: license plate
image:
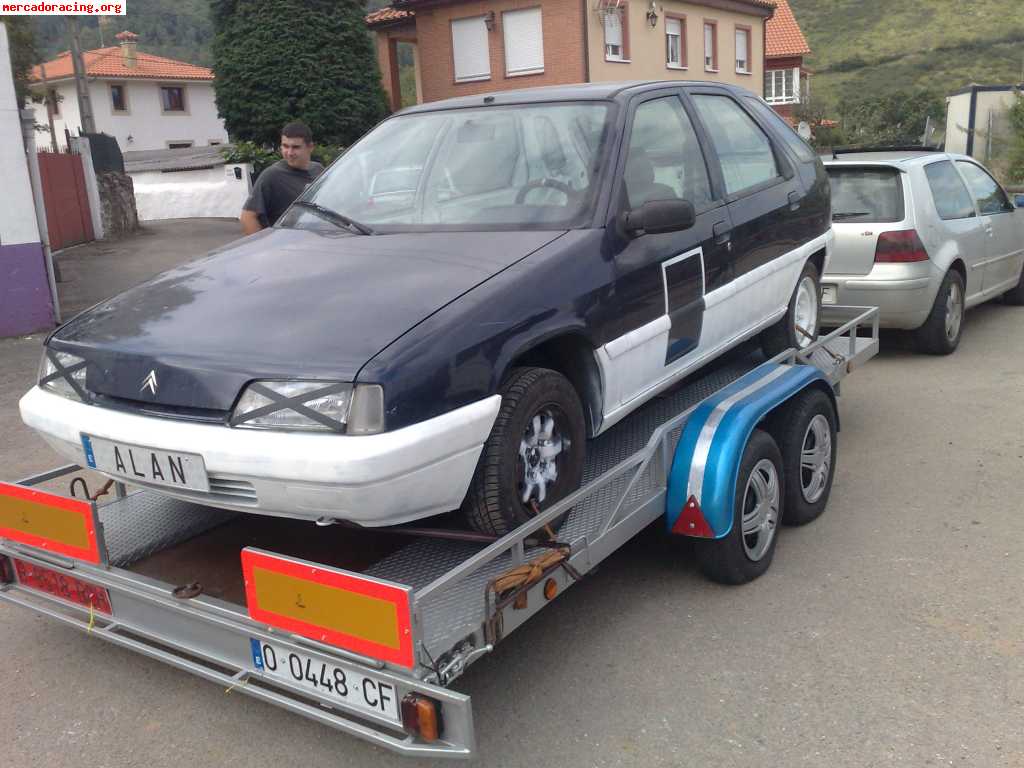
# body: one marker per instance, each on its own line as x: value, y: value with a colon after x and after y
x: 136, y: 462
x: 828, y: 294
x: 337, y: 681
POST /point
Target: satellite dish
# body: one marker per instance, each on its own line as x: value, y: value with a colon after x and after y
x: 804, y: 131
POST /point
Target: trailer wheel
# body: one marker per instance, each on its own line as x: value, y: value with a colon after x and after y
x: 807, y: 440
x: 746, y: 552
x: 534, y: 453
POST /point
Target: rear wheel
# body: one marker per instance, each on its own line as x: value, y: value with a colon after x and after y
x: 807, y: 440
x: 534, y: 455
x: 747, y: 550
x: 940, y: 334
x: 799, y: 326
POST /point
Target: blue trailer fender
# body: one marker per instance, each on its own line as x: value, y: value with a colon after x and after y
x: 702, y: 482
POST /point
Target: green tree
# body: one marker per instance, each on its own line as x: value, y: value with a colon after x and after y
x: 282, y: 60
x: 23, y: 53
x: 1016, y: 169
x: 896, y: 118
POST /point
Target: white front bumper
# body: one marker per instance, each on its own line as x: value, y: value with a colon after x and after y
x: 384, y: 479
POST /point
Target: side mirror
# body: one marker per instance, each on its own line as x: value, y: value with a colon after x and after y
x: 656, y: 217
x: 1019, y: 200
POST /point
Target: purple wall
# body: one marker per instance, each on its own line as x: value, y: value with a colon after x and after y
x: 25, y: 304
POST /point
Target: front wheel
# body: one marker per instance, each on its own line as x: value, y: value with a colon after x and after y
x: 533, y: 456
x: 747, y: 550
x: 799, y: 326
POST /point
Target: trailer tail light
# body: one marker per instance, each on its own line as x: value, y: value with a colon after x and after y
x: 421, y: 716
x: 899, y: 247
x: 6, y: 570
x: 61, y: 585
x: 691, y: 521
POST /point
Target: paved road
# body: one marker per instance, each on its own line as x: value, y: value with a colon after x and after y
x: 888, y: 633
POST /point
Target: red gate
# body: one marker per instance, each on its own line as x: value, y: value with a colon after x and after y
x: 68, y: 220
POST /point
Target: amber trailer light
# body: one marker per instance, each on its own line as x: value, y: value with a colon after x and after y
x: 422, y: 716
x: 52, y: 582
x: 358, y: 613
x: 50, y: 522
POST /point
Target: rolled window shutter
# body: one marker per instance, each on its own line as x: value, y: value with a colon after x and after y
x: 524, y: 41
x: 612, y: 29
x: 469, y: 49
x: 672, y: 27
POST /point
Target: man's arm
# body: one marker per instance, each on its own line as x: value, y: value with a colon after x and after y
x: 255, y: 208
x: 250, y: 222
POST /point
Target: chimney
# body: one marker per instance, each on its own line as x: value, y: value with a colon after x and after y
x: 128, y: 47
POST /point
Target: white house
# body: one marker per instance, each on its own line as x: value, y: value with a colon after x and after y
x: 144, y: 101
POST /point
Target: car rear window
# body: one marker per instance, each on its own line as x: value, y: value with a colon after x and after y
x: 866, y: 194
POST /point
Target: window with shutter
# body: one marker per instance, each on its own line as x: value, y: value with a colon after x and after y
x: 674, y: 43
x: 524, y: 42
x: 613, y: 48
x: 742, y: 51
x: 710, y: 47
x: 469, y: 49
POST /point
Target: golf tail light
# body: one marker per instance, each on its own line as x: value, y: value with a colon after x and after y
x: 422, y: 716
x: 61, y: 585
x: 900, y: 247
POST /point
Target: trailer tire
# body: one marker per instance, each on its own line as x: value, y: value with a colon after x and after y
x: 529, y: 398
x: 740, y: 557
x: 806, y: 431
x: 804, y: 309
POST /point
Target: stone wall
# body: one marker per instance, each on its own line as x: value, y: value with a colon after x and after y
x: 117, y: 201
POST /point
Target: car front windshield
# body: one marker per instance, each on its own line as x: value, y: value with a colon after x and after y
x: 523, y: 167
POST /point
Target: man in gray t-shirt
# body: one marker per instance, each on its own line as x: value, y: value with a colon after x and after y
x: 278, y: 186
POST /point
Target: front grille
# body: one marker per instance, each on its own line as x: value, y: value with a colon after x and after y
x: 223, y: 490
x: 180, y: 413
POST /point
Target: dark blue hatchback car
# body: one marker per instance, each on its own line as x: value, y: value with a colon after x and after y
x: 447, y: 315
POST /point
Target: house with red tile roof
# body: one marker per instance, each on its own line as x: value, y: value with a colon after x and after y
x: 786, y: 81
x: 466, y: 47
x: 145, y: 101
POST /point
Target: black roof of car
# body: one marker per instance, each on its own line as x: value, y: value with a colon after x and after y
x: 553, y: 93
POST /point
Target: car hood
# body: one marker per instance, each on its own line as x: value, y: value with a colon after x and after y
x: 284, y: 303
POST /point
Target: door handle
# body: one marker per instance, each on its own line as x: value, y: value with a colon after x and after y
x: 722, y: 232
x: 794, y: 201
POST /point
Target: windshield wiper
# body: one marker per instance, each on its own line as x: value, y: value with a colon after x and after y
x: 335, y: 218
x: 849, y: 214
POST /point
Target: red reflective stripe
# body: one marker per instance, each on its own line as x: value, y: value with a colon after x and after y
x: 691, y: 521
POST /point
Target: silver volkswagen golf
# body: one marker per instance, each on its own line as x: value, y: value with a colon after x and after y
x: 923, y: 235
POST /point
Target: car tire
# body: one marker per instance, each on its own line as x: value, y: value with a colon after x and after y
x: 804, y: 308
x: 741, y: 557
x: 523, y: 440
x: 1015, y: 295
x: 940, y: 334
x: 806, y: 431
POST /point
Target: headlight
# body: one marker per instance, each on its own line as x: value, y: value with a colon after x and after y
x: 317, y: 406
x: 59, y: 379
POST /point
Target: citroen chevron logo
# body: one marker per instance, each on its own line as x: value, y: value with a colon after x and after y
x: 149, y: 383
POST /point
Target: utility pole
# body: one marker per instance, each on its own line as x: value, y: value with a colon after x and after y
x: 84, y: 103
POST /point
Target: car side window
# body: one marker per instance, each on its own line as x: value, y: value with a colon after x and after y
x: 665, y: 161
x: 783, y: 130
x: 744, y: 150
x: 951, y: 197
x: 987, y: 193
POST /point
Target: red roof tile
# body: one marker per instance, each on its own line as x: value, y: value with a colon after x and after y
x: 109, y: 62
x: 387, y: 16
x: 783, y: 35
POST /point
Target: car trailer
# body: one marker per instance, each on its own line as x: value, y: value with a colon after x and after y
x: 365, y: 630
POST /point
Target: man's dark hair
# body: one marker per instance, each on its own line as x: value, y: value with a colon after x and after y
x: 298, y: 130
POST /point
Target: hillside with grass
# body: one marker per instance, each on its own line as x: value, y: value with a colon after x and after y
x: 877, y: 47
